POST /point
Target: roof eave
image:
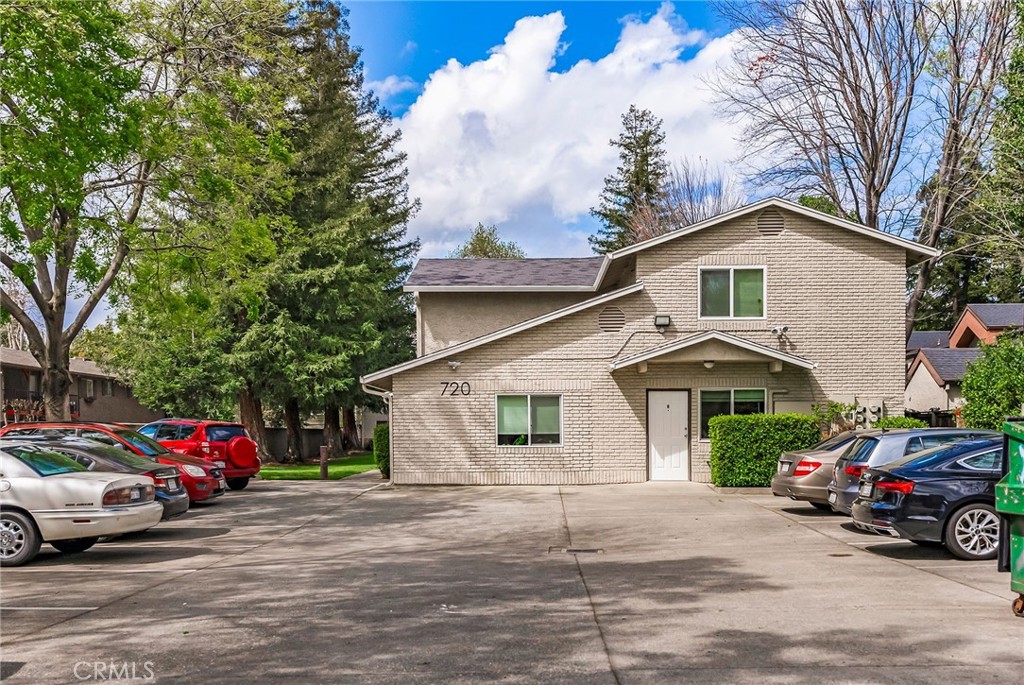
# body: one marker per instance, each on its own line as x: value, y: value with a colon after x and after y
x: 498, y: 288
x: 682, y: 344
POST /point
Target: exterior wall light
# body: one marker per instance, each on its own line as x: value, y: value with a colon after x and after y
x: 709, y: 364
x: 454, y: 364
x: 662, y: 322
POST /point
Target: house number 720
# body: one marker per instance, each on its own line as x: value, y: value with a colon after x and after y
x: 453, y: 389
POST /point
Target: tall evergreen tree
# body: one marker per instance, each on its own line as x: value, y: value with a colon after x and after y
x: 637, y: 182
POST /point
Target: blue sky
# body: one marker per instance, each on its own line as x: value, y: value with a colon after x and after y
x: 506, y: 108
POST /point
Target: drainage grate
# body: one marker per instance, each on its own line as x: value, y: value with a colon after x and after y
x: 575, y: 550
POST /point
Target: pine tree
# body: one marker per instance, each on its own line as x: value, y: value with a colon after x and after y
x: 637, y: 182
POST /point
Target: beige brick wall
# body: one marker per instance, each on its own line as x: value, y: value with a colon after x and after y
x: 840, y: 294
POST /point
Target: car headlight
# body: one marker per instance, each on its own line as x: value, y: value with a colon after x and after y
x: 194, y: 471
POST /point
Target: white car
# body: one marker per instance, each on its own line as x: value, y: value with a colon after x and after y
x: 48, y: 497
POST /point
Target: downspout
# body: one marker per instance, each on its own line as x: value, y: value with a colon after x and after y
x: 385, y: 395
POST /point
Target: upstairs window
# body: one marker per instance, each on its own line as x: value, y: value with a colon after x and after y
x: 732, y: 292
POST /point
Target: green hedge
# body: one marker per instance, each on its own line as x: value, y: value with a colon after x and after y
x: 382, y: 449
x: 899, y: 422
x: 745, y: 449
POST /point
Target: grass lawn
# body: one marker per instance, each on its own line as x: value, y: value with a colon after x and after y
x: 336, y: 468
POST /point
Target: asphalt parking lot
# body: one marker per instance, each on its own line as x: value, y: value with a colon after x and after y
x: 312, y: 582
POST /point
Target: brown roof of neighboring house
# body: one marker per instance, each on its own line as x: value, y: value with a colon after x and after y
x: 928, y: 339
x: 999, y: 315
x: 945, y: 365
x: 570, y: 273
x: 23, y: 359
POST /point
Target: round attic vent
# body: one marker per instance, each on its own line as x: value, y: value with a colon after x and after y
x: 770, y: 222
x: 611, y: 319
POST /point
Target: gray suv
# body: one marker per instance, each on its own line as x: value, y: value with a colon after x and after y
x: 877, y: 447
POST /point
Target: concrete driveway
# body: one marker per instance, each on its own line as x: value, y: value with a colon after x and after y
x: 330, y: 583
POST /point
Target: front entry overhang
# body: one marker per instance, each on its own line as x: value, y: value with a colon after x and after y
x: 710, y: 346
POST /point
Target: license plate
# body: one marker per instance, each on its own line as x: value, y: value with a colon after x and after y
x: 866, y: 489
x: 135, y: 494
x: 220, y: 464
x: 784, y: 466
x: 832, y: 497
x: 172, y: 484
x: 223, y: 484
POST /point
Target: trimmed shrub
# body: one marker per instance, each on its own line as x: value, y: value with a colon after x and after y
x: 899, y: 422
x: 745, y: 449
x: 382, y: 449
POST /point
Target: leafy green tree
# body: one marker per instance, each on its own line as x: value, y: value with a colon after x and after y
x: 130, y: 127
x: 485, y: 243
x: 993, y: 387
x: 636, y: 184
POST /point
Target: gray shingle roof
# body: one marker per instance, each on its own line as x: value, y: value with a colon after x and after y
x: 566, y: 272
x: 951, y: 363
x: 23, y: 359
x: 999, y: 315
x: 928, y: 339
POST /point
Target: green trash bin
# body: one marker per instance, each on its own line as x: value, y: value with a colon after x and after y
x: 1010, y: 504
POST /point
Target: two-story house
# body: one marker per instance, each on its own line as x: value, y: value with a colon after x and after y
x: 608, y: 369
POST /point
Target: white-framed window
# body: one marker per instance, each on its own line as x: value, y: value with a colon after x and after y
x: 726, y: 401
x: 90, y: 388
x: 524, y: 420
x: 732, y: 292
x: 108, y: 387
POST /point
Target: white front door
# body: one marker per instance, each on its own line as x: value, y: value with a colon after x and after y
x: 668, y: 434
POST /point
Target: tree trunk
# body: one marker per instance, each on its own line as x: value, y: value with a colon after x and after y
x: 333, y: 437
x: 293, y: 425
x: 250, y: 409
x: 348, y: 422
x: 920, y: 286
x: 55, y: 363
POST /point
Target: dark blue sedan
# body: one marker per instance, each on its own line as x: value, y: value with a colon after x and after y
x: 943, y: 496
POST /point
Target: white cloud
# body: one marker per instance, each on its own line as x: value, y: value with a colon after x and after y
x: 392, y: 85
x: 507, y: 140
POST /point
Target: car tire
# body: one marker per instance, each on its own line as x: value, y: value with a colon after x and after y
x: 238, y: 483
x: 972, y: 532
x: 821, y: 506
x: 74, y: 546
x: 19, y: 539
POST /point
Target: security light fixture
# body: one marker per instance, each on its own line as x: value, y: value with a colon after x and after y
x: 662, y: 322
x: 454, y: 364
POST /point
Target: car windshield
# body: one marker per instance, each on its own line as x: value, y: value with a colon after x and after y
x: 835, y: 442
x: 44, y: 462
x: 224, y: 433
x: 938, y: 456
x: 140, y: 442
x: 92, y: 448
x: 860, y: 450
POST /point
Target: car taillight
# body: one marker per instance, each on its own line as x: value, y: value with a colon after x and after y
x: 855, y: 470
x: 904, y: 486
x: 130, y: 495
x: 159, y: 482
x: 806, y: 467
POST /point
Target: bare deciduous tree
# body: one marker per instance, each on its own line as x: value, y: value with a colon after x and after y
x: 692, y: 192
x: 882, y: 106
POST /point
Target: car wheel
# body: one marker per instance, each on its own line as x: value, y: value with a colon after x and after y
x: 973, y: 532
x: 19, y: 539
x: 821, y: 506
x: 238, y: 483
x: 74, y: 546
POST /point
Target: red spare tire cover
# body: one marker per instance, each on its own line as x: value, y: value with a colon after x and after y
x: 242, y: 452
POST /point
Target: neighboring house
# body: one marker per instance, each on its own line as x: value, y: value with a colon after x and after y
x: 608, y: 369
x: 925, y: 340
x: 982, y: 323
x: 95, y: 394
x: 934, y: 371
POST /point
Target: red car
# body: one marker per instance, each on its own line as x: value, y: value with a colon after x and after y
x: 201, y: 479
x: 227, y: 445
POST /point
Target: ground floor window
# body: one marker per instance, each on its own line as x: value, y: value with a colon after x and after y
x: 529, y: 419
x: 725, y: 402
